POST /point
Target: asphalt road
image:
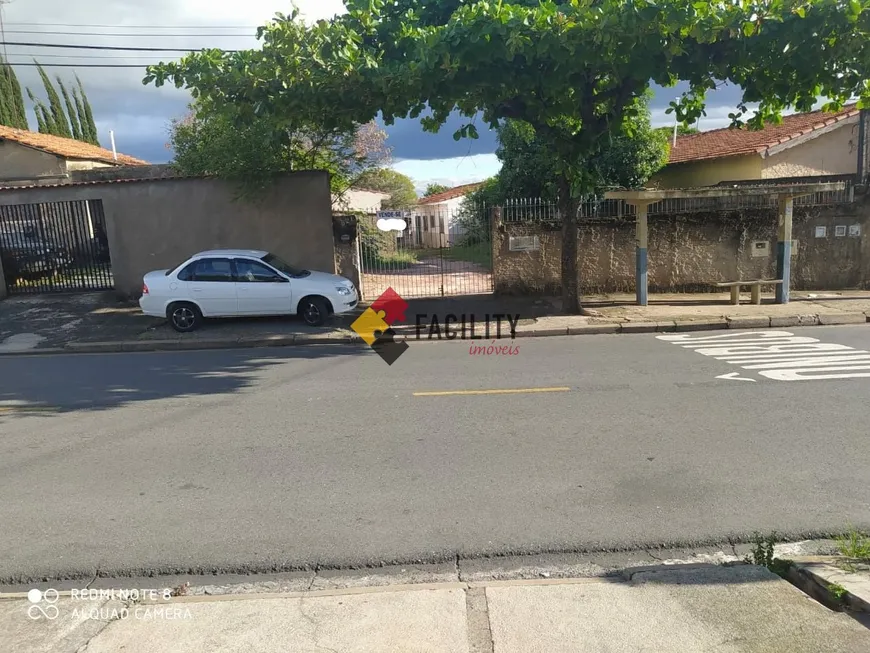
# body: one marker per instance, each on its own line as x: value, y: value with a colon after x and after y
x: 266, y: 459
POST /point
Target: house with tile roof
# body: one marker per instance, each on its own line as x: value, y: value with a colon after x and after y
x: 434, y: 223
x: 814, y: 144
x: 30, y: 158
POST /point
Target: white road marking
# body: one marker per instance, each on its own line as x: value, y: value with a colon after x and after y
x: 778, y: 355
x: 736, y: 377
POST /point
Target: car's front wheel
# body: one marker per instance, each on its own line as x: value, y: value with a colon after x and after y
x: 314, y: 311
x: 184, y: 316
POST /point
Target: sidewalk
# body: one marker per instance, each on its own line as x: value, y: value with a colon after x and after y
x: 97, y: 322
x: 666, y: 609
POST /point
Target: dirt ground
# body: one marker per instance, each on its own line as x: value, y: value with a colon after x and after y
x: 429, y: 278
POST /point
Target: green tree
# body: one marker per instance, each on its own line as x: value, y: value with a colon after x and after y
x: 13, y: 113
x: 59, y: 120
x: 528, y: 169
x: 434, y: 189
x: 70, y: 111
x: 84, y: 126
x: 44, y: 122
x: 572, y: 69
x: 400, y: 187
x: 86, y: 119
x: 253, y: 154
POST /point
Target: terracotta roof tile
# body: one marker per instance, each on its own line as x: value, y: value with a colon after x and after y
x: 719, y: 143
x: 66, y: 147
x: 450, y: 194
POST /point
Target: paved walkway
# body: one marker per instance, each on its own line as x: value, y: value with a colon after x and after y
x: 666, y: 610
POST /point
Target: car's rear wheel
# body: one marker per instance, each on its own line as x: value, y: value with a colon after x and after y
x: 184, y: 316
x: 314, y: 311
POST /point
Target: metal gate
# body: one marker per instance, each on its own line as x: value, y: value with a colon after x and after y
x: 55, y: 247
x: 440, y: 253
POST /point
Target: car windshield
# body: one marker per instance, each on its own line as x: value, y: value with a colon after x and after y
x: 284, y: 267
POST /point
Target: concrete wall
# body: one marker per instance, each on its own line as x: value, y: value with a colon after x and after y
x: 688, y: 252
x: 77, y: 164
x: 158, y: 224
x: 18, y: 162
x: 832, y: 153
x: 707, y: 173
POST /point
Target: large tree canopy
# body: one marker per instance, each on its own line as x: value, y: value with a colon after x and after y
x: 528, y: 169
x: 573, y: 69
x: 399, y: 186
x: 252, y: 154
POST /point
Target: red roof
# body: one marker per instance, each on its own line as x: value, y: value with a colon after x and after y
x: 730, y: 141
x: 67, y: 148
x: 450, y: 194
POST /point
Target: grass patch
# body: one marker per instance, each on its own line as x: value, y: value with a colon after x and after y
x: 854, y: 544
x: 395, y: 260
x: 478, y: 254
x: 762, y: 555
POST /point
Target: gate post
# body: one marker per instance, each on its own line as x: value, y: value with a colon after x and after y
x: 495, y: 228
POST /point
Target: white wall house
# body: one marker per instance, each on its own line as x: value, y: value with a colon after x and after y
x: 434, y: 223
x: 359, y: 200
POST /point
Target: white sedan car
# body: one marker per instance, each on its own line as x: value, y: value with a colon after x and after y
x: 242, y: 282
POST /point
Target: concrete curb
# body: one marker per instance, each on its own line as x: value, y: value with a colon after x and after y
x: 595, y: 328
x: 816, y: 574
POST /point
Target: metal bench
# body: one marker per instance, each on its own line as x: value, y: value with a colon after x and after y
x: 755, y: 288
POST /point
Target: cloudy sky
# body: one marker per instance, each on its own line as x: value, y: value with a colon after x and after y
x: 139, y: 115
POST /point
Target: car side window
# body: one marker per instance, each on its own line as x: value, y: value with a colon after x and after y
x: 212, y: 270
x: 187, y: 273
x: 248, y: 271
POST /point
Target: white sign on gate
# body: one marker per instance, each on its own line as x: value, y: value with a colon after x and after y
x: 393, y: 220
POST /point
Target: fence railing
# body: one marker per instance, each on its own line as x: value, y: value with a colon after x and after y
x: 539, y: 210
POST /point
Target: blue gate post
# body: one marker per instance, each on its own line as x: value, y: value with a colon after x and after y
x: 783, y: 247
x: 641, y: 261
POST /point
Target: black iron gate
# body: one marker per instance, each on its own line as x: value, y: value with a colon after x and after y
x: 440, y: 253
x: 55, y: 247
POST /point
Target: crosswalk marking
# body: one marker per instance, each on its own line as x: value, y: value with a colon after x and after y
x: 778, y: 355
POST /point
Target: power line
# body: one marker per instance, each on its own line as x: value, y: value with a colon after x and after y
x: 85, y: 56
x: 82, y: 65
x: 140, y: 26
x: 126, y: 34
x: 103, y: 47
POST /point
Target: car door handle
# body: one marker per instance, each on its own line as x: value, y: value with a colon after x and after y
x: 197, y: 290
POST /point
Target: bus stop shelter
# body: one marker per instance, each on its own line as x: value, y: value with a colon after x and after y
x: 785, y: 195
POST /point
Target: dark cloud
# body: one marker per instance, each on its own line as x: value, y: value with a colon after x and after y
x: 140, y: 115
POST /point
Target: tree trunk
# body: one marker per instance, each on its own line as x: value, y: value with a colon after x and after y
x: 568, y: 206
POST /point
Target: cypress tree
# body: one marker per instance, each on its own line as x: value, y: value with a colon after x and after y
x: 19, y: 112
x: 89, y: 116
x: 43, y: 117
x: 12, y: 112
x: 87, y: 137
x: 5, y: 99
x: 60, y: 124
x: 73, y: 119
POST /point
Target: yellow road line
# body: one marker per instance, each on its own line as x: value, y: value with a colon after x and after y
x: 508, y: 391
